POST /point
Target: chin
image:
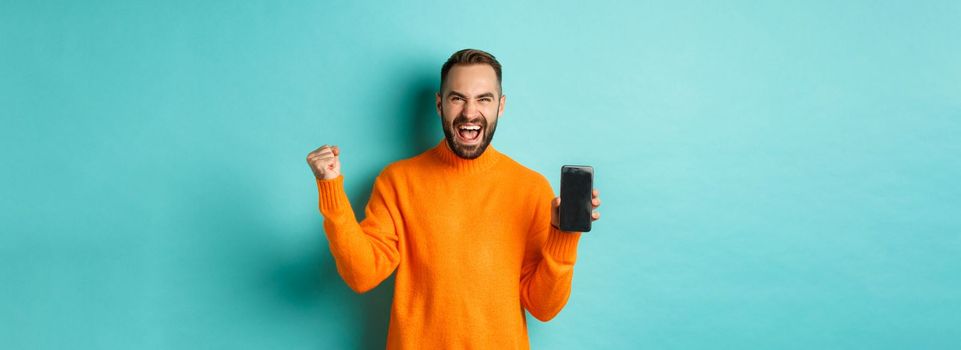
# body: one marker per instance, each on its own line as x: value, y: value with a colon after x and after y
x: 470, y: 152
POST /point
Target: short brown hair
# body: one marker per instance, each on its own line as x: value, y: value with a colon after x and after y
x: 470, y: 56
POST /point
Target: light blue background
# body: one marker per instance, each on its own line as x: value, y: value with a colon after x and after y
x: 775, y: 175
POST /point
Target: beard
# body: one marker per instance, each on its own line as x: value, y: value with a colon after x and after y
x: 469, y: 151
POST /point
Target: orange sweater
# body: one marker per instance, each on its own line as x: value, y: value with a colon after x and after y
x: 472, y: 244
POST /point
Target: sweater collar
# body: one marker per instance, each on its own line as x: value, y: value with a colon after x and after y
x: 487, y: 159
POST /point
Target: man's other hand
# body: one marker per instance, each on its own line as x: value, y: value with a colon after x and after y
x: 556, y: 204
x: 325, y: 162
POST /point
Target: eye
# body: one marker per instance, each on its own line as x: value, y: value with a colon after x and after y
x: 485, y: 99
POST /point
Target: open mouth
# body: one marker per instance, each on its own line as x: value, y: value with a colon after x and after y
x: 469, y: 133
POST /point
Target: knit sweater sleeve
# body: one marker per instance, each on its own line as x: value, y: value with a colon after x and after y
x: 365, y: 253
x: 548, y: 268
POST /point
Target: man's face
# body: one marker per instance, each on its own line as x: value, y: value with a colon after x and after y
x: 469, y: 104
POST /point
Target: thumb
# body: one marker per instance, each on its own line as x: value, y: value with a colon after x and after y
x: 336, y: 150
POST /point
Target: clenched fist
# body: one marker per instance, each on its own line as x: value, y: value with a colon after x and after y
x: 325, y: 162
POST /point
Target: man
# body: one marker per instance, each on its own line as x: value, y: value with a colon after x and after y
x: 472, y: 234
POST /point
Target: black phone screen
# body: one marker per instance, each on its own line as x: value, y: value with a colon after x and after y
x: 577, y: 183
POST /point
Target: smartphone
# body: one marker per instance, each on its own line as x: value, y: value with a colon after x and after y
x: 577, y: 183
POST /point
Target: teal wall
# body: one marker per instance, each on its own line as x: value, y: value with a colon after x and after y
x: 775, y: 175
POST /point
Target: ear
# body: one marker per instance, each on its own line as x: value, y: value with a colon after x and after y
x: 437, y: 104
x: 503, y: 103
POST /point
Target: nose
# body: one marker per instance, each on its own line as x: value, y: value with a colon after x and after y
x: 470, y: 109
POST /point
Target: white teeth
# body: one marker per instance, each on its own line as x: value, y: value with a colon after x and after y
x: 470, y: 127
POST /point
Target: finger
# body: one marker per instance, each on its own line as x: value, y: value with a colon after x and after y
x: 596, y: 215
x: 316, y: 152
x: 324, y: 153
x: 595, y: 193
x: 321, y: 155
x: 596, y: 202
x: 324, y: 160
x: 314, y: 155
x: 336, y: 150
x: 556, y: 202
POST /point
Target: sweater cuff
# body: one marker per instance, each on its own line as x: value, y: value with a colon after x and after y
x: 561, y: 245
x: 333, y: 199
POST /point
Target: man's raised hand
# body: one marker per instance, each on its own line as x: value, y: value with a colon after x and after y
x: 325, y: 162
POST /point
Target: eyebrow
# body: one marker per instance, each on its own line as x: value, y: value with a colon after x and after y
x: 486, y: 94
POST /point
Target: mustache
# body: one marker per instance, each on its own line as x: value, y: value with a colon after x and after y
x: 464, y: 120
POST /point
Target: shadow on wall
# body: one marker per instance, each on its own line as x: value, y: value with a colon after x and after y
x: 425, y: 129
x: 415, y: 136
x: 419, y: 133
